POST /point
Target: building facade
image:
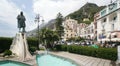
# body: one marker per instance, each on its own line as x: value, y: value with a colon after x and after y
x: 70, y: 28
x: 90, y: 31
x: 87, y: 31
x: 108, y: 22
x: 83, y: 30
x: 96, y: 16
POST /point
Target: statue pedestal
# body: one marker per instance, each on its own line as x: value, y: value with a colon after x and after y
x: 20, y: 47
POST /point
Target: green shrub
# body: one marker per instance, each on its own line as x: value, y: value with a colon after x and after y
x: 54, y: 49
x: 42, y: 48
x: 32, y: 49
x: 32, y: 42
x: 105, y: 53
x: 7, y: 53
x: 64, y: 48
x: 58, y: 47
x: 5, y: 43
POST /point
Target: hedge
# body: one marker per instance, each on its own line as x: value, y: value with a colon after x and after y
x: 32, y: 43
x: 6, y: 42
x: 105, y: 53
x: 7, y: 52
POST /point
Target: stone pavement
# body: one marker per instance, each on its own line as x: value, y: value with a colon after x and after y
x: 84, y: 60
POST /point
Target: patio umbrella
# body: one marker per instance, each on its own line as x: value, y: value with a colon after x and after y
x: 115, y: 39
x: 105, y: 39
x: 94, y: 45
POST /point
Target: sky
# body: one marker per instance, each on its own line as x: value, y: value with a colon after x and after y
x: 48, y: 9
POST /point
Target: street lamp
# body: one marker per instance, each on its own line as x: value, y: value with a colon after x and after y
x: 37, y: 19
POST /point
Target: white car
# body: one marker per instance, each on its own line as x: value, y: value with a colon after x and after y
x: 69, y: 43
x: 76, y: 43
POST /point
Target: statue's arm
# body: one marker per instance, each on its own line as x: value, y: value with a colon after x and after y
x: 18, y: 17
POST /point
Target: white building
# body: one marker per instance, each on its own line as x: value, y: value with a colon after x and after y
x: 80, y: 30
x: 90, y: 31
x: 108, y: 23
x: 87, y: 31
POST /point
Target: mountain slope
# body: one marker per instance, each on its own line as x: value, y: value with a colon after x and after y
x: 87, y: 11
x: 49, y: 25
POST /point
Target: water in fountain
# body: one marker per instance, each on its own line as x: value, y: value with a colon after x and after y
x: 45, y: 50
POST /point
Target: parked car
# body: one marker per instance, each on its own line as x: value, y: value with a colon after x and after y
x: 69, y: 43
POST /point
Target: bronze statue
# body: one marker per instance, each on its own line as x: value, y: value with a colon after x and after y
x: 21, y: 22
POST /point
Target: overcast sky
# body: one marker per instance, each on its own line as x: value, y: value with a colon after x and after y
x: 9, y: 9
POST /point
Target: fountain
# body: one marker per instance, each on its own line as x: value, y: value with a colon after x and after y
x: 43, y: 47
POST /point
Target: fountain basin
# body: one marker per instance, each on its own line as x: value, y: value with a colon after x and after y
x: 53, y: 60
x: 12, y: 63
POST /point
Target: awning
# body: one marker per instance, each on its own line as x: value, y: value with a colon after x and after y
x: 105, y: 39
x: 115, y: 39
x: 113, y: 34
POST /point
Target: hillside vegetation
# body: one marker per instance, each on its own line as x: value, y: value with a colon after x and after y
x: 87, y: 11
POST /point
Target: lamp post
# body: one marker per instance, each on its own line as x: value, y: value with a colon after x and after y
x: 37, y: 19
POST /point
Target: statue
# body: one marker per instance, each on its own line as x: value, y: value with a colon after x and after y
x: 19, y: 46
x: 21, y: 22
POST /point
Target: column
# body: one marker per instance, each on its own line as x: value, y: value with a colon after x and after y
x: 118, y: 19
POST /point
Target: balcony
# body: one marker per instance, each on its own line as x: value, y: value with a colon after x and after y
x: 110, y: 8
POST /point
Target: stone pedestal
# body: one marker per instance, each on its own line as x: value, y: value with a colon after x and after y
x: 20, y: 47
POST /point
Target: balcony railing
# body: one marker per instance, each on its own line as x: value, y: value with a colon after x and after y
x: 110, y: 8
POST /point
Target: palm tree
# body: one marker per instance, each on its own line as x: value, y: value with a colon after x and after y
x: 48, y: 37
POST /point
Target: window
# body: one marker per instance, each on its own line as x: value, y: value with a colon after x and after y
x: 92, y: 30
x: 103, y: 12
x: 103, y: 26
x: 112, y: 26
x: 104, y: 20
x: 114, y: 18
x: 67, y: 34
x: 115, y: 36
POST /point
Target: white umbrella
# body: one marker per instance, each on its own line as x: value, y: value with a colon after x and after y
x: 115, y: 39
x: 105, y: 39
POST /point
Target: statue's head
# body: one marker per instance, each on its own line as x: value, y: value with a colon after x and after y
x: 21, y: 13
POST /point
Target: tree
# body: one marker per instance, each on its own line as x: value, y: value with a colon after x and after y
x: 71, y: 39
x: 59, y: 27
x: 77, y: 39
x: 48, y: 37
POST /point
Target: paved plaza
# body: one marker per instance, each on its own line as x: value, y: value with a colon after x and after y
x: 84, y: 60
x: 81, y: 60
